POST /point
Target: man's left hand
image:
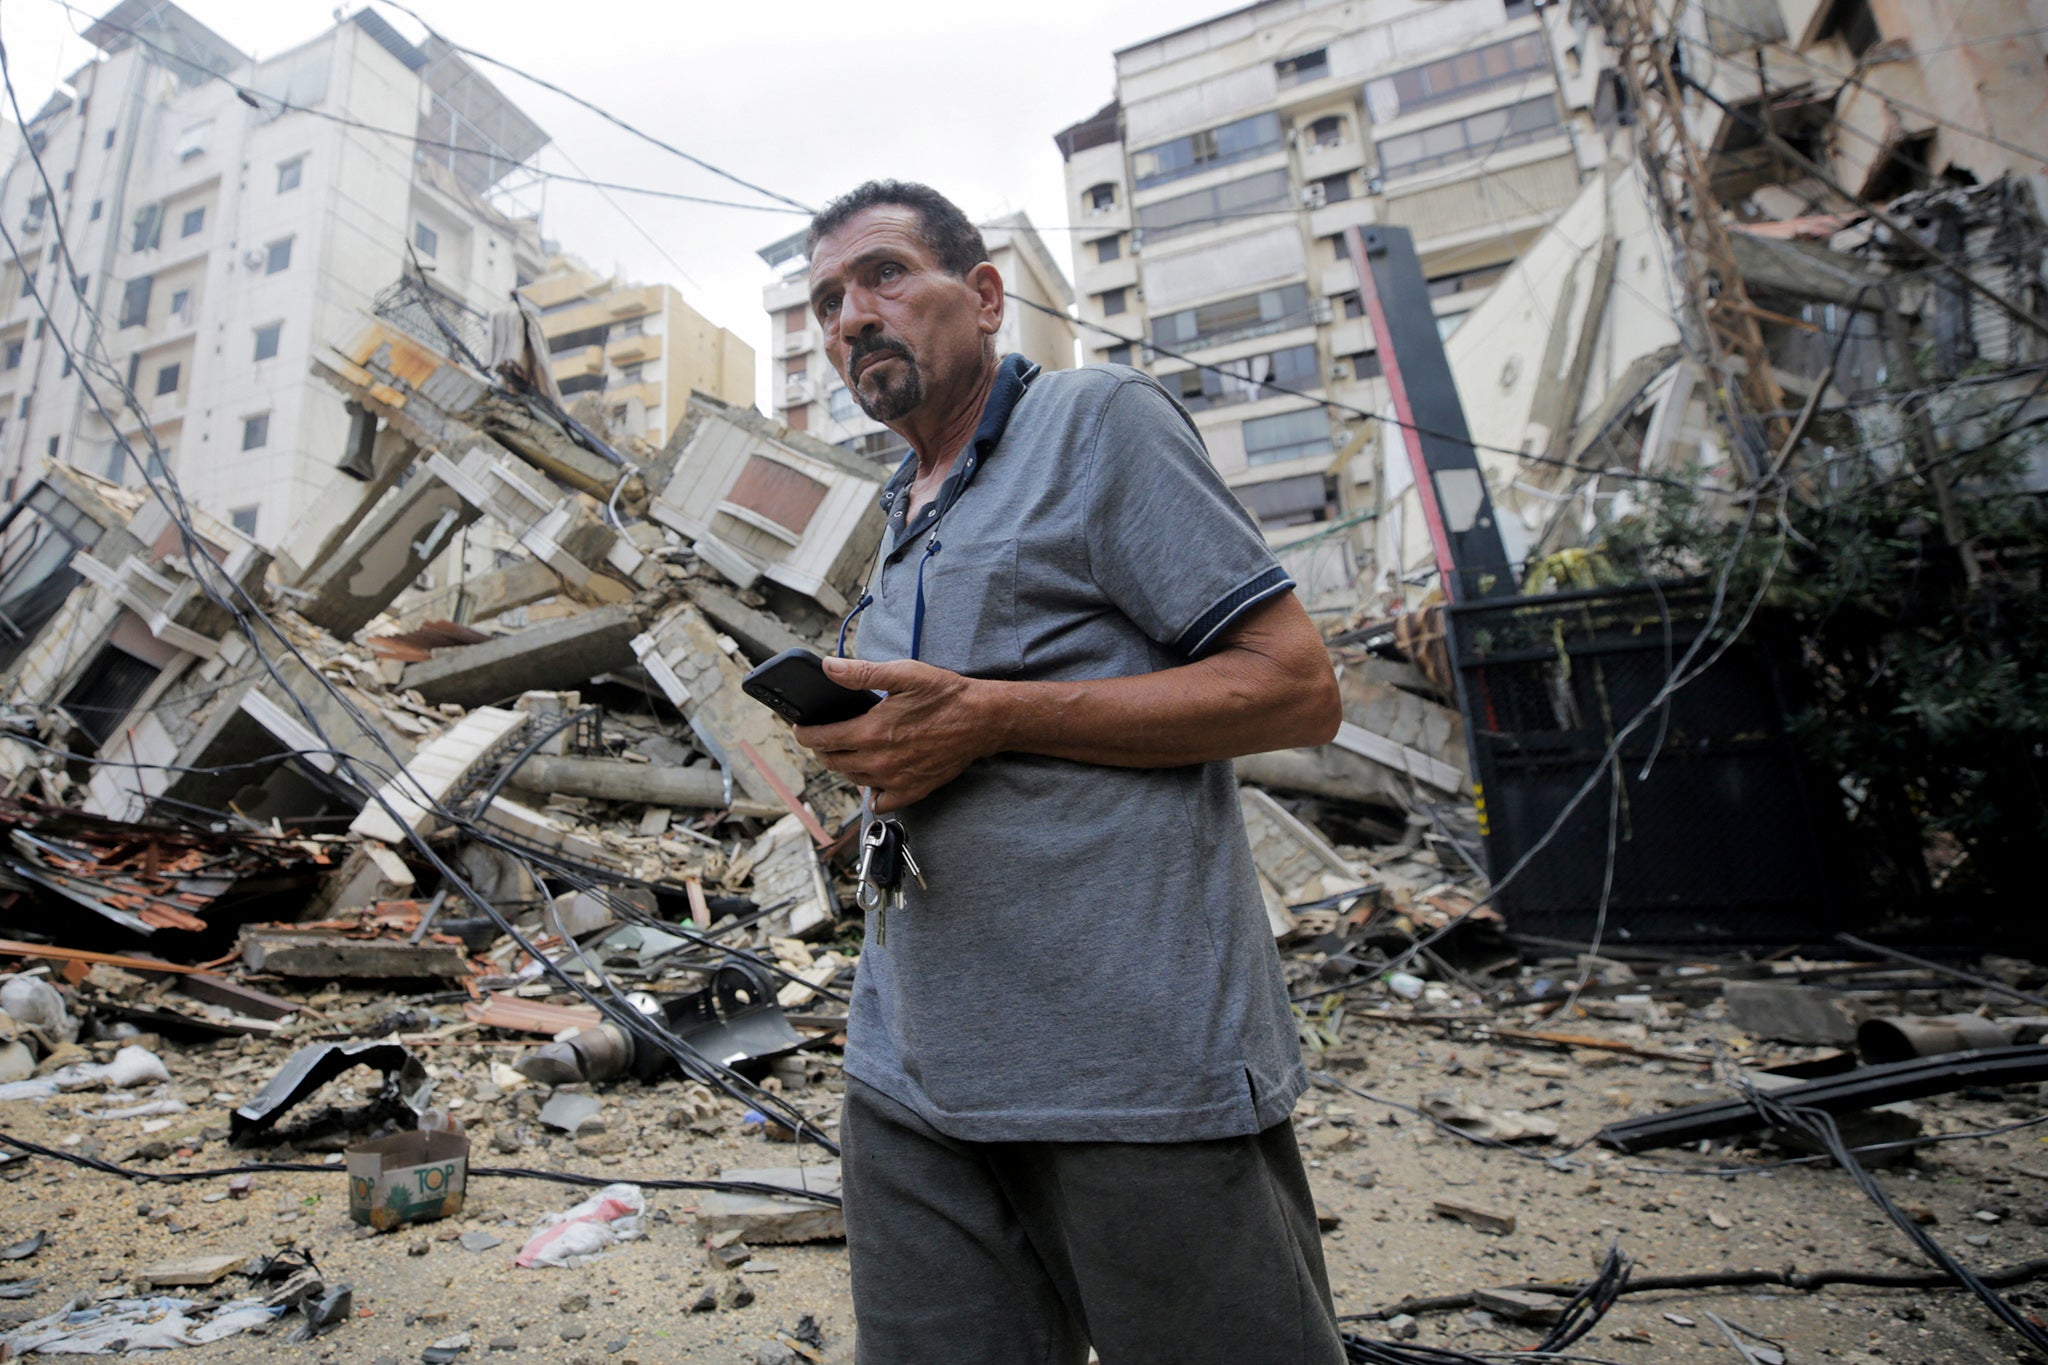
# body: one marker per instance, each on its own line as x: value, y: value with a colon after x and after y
x: 919, y: 739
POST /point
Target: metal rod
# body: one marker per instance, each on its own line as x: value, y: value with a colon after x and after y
x: 1956, y: 973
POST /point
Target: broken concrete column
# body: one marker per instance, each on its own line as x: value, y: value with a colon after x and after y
x: 682, y: 653
x: 329, y: 523
x: 395, y: 544
x: 552, y: 656
x: 760, y: 634
x: 614, y: 779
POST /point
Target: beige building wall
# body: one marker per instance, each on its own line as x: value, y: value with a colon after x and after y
x: 639, y: 346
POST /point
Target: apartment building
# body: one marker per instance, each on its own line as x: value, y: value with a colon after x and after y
x: 1217, y: 184
x: 808, y: 396
x: 220, y: 239
x: 638, y: 345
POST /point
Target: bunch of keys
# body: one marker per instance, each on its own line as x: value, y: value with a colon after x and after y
x: 884, y: 858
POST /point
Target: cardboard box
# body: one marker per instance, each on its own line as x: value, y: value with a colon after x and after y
x: 411, y: 1178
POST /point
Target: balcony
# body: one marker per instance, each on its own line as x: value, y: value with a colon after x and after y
x: 580, y: 363
x: 798, y: 391
x: 633, y: 350
x: 627, y: 303
x: 796, y: 343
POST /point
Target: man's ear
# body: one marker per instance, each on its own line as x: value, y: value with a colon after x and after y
x: 986, y: 281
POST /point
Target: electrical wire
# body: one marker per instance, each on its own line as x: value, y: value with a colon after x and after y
x: 1820, y: 1125
x: 93, y: 1163
x: 602, y: 113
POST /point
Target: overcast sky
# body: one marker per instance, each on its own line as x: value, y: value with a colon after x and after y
x: 804, y: 98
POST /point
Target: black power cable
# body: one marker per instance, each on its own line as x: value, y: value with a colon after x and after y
x: 94, y: 1163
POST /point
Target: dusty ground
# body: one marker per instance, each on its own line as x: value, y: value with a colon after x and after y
x: 1376, y: 1170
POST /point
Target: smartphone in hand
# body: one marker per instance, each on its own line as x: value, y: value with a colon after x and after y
x: 793, y: 685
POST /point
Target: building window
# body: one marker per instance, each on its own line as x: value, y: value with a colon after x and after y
x: 426, y: 240
x: 1468, y: 139
x: 1286, y: 436
x: 1099, y: 198
x: 1249, y: 315
x: 53, y: 447
x: 1108, y: 249
x: 277, y: 256
x: 134, y: 369
x: 1112, y: 302
x: 797, y: 419
x: 582, y: 383
x: 288, y: 173
x: 108, y: 140
x: 243, y: 519
x: 106, y: 692
x: 149, y: 227
x: 1255, y: 195
x: 28, y: 283
x: 1335, y: 188
x: 1326, y: 131
x: 1366, y: 365
x: 630, y: 374
x: 1297, y: 501
x: 794, y: 321
x: 1464, y: 281
x: 256, y: 431
x: 13, y: 355
x: 267, y: 339
x: 1212, y: 147
x: 1354, y: 305
x: 181, y: 304
x: 93, y: 216
x: 840, y: 405
x: 1519, y: 9
x: 135, y: 301
x: 193, y: 221
x: 1119, y: 354
x: 1854, y: 24
x: 777, y: 493
x: 1302, y: 67
x: 167, y: 380
x: 796, y: 367
x: 578, y: 340
x: 1339, y: 247
x: 634, y: 326
x: 1248, y: 379
x: 1449, y: 78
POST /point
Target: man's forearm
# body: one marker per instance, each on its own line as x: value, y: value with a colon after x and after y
x: 1227, y: 705
x: 1269, y: 685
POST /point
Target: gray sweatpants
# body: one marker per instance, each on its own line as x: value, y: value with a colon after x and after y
x: 1026, y: 1253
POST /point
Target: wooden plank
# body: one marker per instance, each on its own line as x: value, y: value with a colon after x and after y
x: 203, y: 1270
x: 10, y: 948
x: 789, y: 798
x: 529, y: 1016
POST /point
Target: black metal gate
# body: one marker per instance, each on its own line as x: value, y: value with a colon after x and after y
x: 1714, y: 839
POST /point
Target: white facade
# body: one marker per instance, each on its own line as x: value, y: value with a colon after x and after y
x: 808, y: 396
x: 1219, y: 181
x: 220, y: 244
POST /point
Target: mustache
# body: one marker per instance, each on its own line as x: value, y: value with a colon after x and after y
x: 864, y: 347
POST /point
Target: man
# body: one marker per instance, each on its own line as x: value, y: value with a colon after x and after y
x: 1071, y: 1062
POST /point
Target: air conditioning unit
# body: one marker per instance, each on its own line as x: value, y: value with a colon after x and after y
x: 1340, y: 372
x: 1314, y: 195
x: 1319, y: 310
x: 252, y: 260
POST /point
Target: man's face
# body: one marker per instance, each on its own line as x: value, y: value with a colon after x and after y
x: 898, y: 326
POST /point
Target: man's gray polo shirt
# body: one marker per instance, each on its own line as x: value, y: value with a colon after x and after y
x: 1091, y: 960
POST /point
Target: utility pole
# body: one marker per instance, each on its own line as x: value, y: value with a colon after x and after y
x: 1723, y: 320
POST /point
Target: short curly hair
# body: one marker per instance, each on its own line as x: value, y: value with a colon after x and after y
x: 951, y: 234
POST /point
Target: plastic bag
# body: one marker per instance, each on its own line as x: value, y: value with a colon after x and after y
x: 614, y: 1214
